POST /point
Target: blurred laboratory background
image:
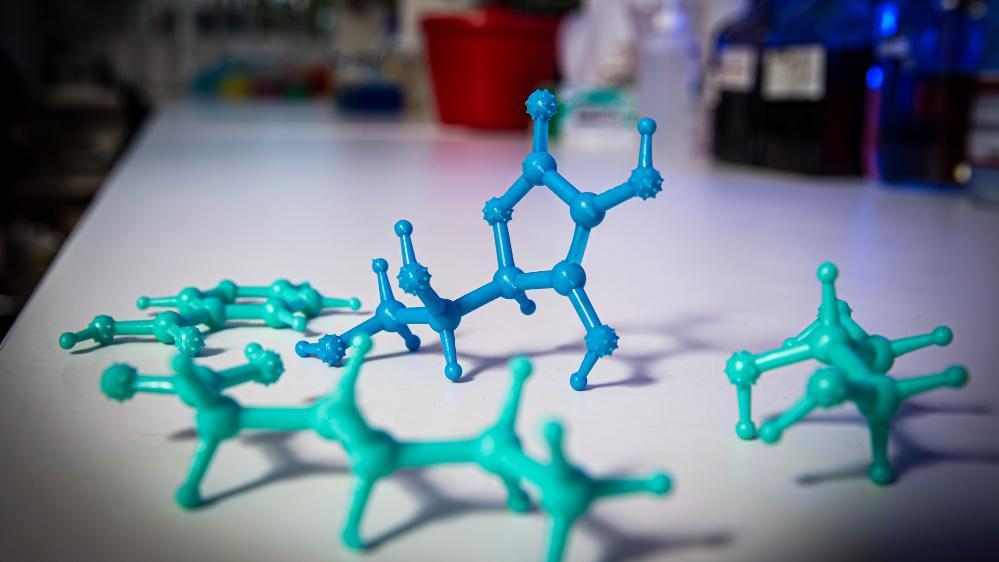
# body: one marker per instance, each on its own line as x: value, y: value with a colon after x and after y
x: 900, y: 94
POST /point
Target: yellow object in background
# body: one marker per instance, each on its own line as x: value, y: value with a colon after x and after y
x: 236, y: 87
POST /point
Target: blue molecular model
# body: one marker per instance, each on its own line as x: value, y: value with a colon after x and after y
x: 567, y: 277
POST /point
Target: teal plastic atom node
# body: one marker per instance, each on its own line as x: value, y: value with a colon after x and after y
x: 281, y: 304
x: 566, y: 277
x: 566, y: 491
x: 858, y: 364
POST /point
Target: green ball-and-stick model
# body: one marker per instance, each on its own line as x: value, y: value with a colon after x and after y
x: 566, y: 491
x: 281, y: 304
x: 857, y: 366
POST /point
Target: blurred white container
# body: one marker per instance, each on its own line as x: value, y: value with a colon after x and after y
x: 668, y: 74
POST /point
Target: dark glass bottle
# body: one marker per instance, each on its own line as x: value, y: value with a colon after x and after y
x: 983, y: 125
x: 734, y: 77
x: 921, y: 88
x: 812, y: 86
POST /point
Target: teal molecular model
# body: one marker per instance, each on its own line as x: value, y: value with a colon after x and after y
x: 566, y: 491
x: 281, y: 304
x: 857, y: 366
x: 567, y: 277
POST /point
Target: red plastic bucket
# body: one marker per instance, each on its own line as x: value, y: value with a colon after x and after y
x: 485, y: 63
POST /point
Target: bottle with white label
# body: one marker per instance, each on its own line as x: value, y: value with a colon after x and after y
x: 983, y: 124
x: 732, y: 85
x: 812, y: 90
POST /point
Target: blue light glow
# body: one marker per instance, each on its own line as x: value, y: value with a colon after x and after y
x: 874, y: 77
x: 887, y: 19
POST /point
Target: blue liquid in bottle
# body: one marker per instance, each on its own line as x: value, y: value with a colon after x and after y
x: 921, y: 88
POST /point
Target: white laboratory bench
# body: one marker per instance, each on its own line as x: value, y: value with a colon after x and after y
x: 721, y: 260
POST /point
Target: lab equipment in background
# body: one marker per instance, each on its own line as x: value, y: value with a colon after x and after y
x: 858, y: 365
x: 369, y: 84
x: 375, y: 97
x: 732, y: 86
x: 786, y: 84
x: 594, y: 117
x: 234, y: 79
x: 983, y: 125
x: 921, y: 88
x: 620, y: 59
x: 596, y: 45
x: 596, y: 59
x: 667, y: 76
x: 482, y: 61
x: 357, y: 43
x: 983, y: 140
x: 367, y: 61
x: 814, y: 64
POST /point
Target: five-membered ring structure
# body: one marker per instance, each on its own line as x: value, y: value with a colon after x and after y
x: 566, y: 491
x: 857, y: 372
x: 567, y: 277
x: 281, y: 304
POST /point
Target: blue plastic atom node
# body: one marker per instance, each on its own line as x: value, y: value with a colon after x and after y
x: 566, y: 491
x: 567, y: 277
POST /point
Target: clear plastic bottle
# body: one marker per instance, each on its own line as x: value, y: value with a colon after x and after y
x: 983, y: 126
x: 666, y: 80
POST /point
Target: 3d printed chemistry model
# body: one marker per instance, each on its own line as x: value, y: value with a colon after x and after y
x: 858, y: 364
x: 566, y: 491
x: 284, y: 305
x: 567, y: 277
